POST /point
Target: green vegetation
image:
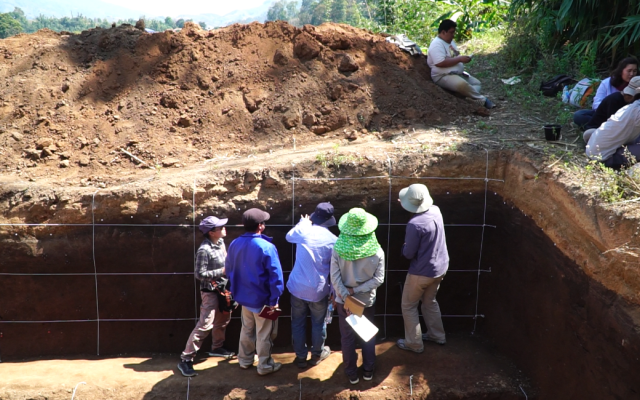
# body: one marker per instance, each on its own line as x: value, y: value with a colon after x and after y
x: 15, y: 22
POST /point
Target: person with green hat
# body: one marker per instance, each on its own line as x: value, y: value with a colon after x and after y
x: 357, y: 269
x: 426, y: 246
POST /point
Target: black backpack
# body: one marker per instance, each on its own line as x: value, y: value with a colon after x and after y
x: 556, y: 84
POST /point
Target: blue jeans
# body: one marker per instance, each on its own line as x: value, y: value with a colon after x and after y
x: 582, y: 117
x: 299, y: 311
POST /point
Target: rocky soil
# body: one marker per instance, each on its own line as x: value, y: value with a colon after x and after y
x: 91, y: 105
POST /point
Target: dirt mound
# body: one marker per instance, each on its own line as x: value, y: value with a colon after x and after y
x: 74, y: 102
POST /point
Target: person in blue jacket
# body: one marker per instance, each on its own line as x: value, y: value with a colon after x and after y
x: 255, y: 273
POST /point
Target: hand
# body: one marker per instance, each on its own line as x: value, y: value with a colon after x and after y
x: 305, y: 217
x: 350, y: 291
x: 464, y: 59
x: 273, y: 309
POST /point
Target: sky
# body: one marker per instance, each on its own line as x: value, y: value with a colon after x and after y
x: 176, y: 7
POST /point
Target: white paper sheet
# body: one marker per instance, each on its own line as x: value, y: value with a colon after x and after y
x: 363, y: 327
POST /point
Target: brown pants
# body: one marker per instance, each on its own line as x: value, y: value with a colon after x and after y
x: 421, y: 289
x: 211, y: 319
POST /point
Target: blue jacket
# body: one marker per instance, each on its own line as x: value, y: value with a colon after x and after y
x: 254, y: 269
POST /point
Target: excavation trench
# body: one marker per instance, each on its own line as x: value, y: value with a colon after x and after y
x: 536, y: 299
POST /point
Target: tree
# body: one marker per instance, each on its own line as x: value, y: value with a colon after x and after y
x: 9, y: 26
x: 169, y: 21
x: 282, y: 10
x: 202, y: 24
x: 338, y: 11
x: 180, y: 23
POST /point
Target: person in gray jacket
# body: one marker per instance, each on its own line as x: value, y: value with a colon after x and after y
x: 357, y: 269
x: 426, y: 246
x: 209, y: 268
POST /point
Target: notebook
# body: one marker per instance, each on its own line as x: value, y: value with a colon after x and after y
x: 268, y: 314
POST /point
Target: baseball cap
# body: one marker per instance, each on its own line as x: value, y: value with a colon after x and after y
x: 633, y: 87
x: 323, y: 215
x: 210, y: 223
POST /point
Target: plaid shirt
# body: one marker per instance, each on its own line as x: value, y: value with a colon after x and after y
x: 209, y: 263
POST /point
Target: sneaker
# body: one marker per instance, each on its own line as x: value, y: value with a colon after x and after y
x: 326, y: 352
x: 255, y: 359
x: 353, y: 379
x: 367, y: 375
x: 430, y: 339
x: 274, y: 368
x: 489, y: 104
x: 401, y: 344
x: 186, y: 368
x: 301, y: 362
x: 222, y: 352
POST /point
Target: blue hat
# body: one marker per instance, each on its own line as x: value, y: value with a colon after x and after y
x: 210, y: 223
x: 323, y: 216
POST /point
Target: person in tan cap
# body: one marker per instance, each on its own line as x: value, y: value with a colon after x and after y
x: 425, y: 245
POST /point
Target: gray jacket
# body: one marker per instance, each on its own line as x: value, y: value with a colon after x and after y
x: 363, y: 276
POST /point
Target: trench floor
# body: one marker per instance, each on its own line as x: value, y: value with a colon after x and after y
x: 462, y: 369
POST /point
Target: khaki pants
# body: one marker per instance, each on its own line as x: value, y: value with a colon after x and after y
x: 257, y: 336
x: 420, y: 288
x: 211, y: 320
x: 468, y: 86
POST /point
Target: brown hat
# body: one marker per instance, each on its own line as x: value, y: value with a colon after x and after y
x: 254, y: 216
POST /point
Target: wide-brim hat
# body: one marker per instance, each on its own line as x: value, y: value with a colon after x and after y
x: 416, y: 198
x: 210, y: 223
x: 323, y: 215
x: 357, y: 222
x: 633, y: 87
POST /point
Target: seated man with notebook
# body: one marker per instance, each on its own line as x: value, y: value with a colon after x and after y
x: 254, y: 269
x: 357, y: 269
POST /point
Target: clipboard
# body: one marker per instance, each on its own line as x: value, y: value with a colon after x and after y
x: 267, y: 314
x: 354, y: 306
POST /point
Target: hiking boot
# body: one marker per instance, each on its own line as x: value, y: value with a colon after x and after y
x: 186, y: 368
x: 326, y: 352
x: 403, y: 345
x: 367, y: 375
x: 353, y: 379
x: 274, y: 368
x: 488, y: 104
x: 301, y: 362
x: 430, y: 339
x: 222, y: 352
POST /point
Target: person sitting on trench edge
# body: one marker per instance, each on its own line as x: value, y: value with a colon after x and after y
x: 447, y: 66
x: 616, y: 143
x: 612, y: 103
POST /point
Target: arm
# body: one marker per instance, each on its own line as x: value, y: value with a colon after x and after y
x: 296, y: 234
x: 276, y: 285
x: 602, y: 92
x: 336, y: 277
x: 411, y: 242
x: 376, y: 280
x: 452, y: 61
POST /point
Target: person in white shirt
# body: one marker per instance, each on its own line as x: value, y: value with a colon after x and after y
x: 447, y: 66
x: 616, y: 143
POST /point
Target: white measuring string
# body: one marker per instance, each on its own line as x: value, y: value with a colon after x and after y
x: 95, y: 268
x: 386, y: 267
x: 484, y: 220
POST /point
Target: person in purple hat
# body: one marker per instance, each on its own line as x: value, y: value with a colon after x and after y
x: 209, y: 269
x: 309, y: 283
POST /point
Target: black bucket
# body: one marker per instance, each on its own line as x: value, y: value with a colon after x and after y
x: 552, y: 132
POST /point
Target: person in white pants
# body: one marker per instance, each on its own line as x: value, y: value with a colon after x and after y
x: 447, y: 66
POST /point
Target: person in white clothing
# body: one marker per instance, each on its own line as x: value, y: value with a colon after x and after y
x: 447, y: 66
x: 627, y: 68
x: 616, y: 143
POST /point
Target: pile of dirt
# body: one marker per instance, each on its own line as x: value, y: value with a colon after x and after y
x: 72, y: 103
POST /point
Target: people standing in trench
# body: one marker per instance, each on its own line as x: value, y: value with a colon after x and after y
x: 256, y: 278
x: 357, y: 269
x: 309, y: 283
x: 209, y: 270
x: 425, y: 245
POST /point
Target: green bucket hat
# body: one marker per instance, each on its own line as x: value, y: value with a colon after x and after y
x: 357, y: 237
x: 357, y: 222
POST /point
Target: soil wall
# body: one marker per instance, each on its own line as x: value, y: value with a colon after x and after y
x: 553, y: 301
